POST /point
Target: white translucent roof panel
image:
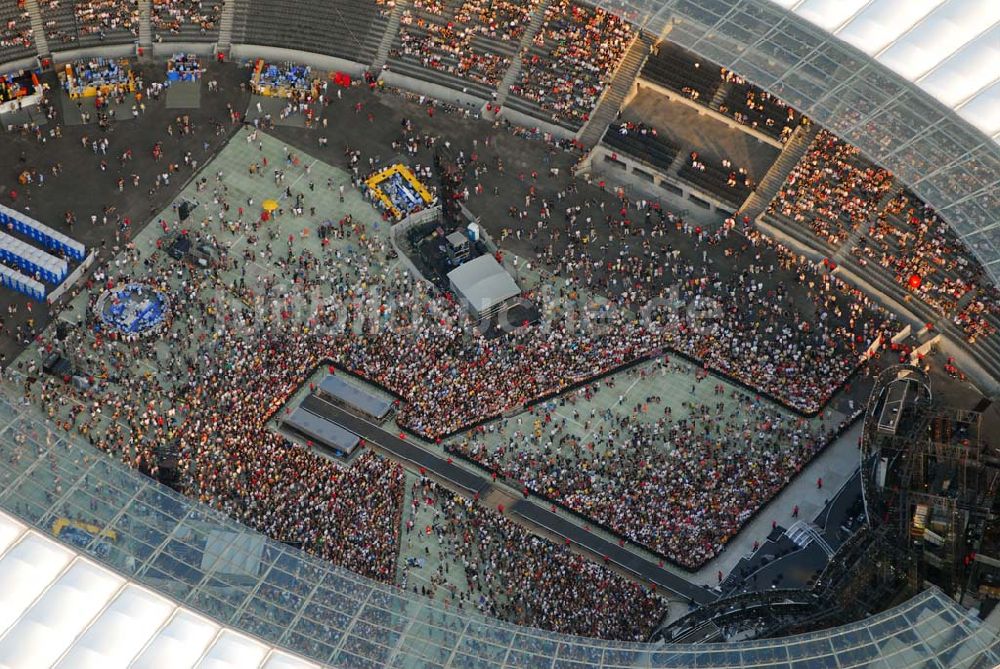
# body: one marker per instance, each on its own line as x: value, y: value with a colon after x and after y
x: 280, y: 660
x: 180, y: 644
x: 940, y: 34
x: 55, y: 619
x: 983, y: 110
x: 59, y: 609
x: 10, y: 530
x: 232, y: 650
x: 877, y: 25
x: 829, y: 14
x: 950, y: 48
x: 26, y: 569
x: 963, y: 75
x: 119, y: 632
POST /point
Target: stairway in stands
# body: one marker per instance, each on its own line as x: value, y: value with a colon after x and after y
x: 777, y: 174
x: 37, y: 26
x: 226, y: 21
x: 391, y: 30
x: 621, y: 83
x: 514, y: 71
x: 721, y: 93
x: 146, y: 24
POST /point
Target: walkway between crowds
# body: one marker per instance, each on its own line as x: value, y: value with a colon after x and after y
x: 412, y: 453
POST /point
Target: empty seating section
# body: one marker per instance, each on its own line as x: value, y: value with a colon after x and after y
x: 464, y: 44
x: 59, y: 19
x: 16, y: 39
x: 348, y: 29
x: 643, y: 143
x: 690, y: 75
x: 683, y: 72
x: 186, y: 20
x: 908, y: 239
x: 14, y: 221
x: 36, y: 263
x: 727, y: 182
x: 564, y: 71
x: 756, y: 108
x: 832, y: 190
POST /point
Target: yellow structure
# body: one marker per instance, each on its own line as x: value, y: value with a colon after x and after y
x: 80, y: 89
x: 275, y: 91
x: 375, y: 185
x: 60, y: 525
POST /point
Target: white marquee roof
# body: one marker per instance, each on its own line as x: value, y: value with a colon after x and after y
x: 60, y: 609
x: 950, y: 48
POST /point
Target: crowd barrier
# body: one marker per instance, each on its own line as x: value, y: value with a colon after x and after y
x: 838, y: 432
x: 41, y: 233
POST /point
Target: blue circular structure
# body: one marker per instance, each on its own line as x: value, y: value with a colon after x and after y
x: 135, y: 309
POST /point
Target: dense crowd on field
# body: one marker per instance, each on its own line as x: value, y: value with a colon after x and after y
x: 832, y: 190
x: 508, y: 573
x: 238, y: 348
x: 212, y: 402
x: 680, y: 483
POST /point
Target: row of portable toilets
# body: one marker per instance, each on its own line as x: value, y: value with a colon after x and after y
x: 37, y: 267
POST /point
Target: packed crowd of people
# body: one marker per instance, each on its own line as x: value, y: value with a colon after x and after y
x: 170, y: 16
x: 100, y: 17
x: 922, y: 253
x: 681, y: 484
x: 448, y: 48
x: 455, y: 39
x: 573, y: 56
x: 212, y: 401
x: 239, y: 346
x: 511, y: 574
x: 833, y: 190
x: 500, y: 20
x: 15, y: 28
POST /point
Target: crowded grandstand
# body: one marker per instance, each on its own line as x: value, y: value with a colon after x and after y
x: 530, y: 332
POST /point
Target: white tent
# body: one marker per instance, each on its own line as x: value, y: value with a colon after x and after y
x: 483, y: 285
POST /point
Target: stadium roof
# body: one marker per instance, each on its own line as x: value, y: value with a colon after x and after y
x: 949, y: 48
x: 147, y: 592
x: 61, y: 609
x: 915, y: 84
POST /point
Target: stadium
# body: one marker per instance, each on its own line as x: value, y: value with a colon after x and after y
x: 474, y: 333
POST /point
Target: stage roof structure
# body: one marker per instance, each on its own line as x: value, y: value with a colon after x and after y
x: 359, y: 399
x: 483, y: 284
